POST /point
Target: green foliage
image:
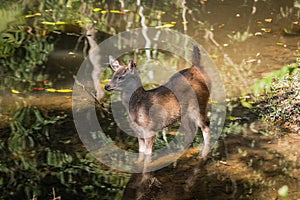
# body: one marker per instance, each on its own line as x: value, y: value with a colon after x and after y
x: 234, y: 128
x: 23, y: 58
x: 37, y: 156
x: 280, y: 99
x: 26, y: 122
x: 9, y: 14
x: 25, y: 44
x: 265, y: 84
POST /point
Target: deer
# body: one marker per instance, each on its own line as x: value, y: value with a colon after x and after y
x: 184, y: 97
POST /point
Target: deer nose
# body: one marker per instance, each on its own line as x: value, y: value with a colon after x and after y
x: 107, y: 87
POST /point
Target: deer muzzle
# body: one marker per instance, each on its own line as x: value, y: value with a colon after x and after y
x: 108, y: 88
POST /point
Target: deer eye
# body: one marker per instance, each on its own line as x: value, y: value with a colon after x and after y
x: 121, y: 77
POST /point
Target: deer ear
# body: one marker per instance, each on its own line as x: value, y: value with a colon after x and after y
x: 114, y: 63
x: 131, y: 65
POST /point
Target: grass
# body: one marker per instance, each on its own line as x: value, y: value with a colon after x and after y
x: 280, y: 103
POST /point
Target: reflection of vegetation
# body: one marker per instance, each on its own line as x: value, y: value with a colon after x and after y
x: 23, y: 57
x: 8, y: 15
x: 26, y: 122
x: 238, y: 76
x: 240, y: 37
x: 291, y: 16
x: 25, y: 45
x: 36, y: 158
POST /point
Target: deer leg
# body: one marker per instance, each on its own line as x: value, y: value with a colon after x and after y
x: 204, y: 125
x: 142, y: 145
x: 189, y: 129
x: 149, y: 144
x: 164, y: 133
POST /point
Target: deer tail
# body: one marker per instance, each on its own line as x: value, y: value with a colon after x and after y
x: 196, y: 57
x: 196, y: 61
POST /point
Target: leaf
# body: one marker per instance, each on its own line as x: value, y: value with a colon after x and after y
x: 48, y: 23
x: 60, y: 23
x: 231, y: 118
x: 51, y: 90
x: 64, y: 90
x: 246, y: 104
x: 97, y: 9
x: 30, y: 15
x: 15, y: 91
x: 166, y: 26
x: 115, y: 11
x: 31, y: 141
x: 38, y: 115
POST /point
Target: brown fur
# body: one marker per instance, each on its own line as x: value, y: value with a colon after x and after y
x: 184, y: 97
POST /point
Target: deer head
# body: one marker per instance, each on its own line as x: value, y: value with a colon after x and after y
x: 124, y: 77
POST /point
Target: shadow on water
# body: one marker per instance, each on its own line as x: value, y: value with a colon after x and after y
x: 41, y: 150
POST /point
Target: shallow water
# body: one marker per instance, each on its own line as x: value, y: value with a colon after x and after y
x: 41, y: 150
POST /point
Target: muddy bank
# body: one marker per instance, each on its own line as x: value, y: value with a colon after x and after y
x: 251, y: 164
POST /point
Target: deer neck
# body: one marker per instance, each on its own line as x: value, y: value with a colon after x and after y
x: 134, y: 86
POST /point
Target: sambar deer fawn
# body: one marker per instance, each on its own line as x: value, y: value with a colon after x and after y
x: 184, y: 97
